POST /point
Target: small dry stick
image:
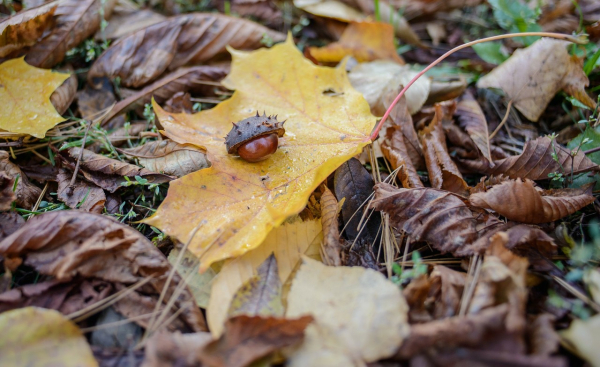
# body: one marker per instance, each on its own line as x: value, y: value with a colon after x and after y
x: 87, y: 128
x: 565, y: 37
x: 503, y: 120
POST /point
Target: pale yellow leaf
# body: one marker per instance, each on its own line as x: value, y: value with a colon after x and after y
x: 582, y: 339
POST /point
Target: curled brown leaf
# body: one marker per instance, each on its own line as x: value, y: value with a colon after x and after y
x: 395, y: 151
x: 81, y: 195
x: 536, y: 162
x: 26, y: 192
x: 26, y: 27
x: 7, y: 195
x: 521, y: 201
x: 426, y: 214
x: 471, y: 118
x: 62, y: 97
x: 76, y: 21
x: 143, y: 56
x: 331, y: 233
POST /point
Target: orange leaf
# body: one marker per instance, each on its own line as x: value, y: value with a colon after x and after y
x: 522, y: 202
x: 235, y: 204
x: 25, y: 92
x: 366, y: 41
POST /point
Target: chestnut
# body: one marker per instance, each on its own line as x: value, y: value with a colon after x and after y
x: 255, y: 138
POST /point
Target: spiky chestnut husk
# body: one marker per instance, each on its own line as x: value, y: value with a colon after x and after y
x: 255, y: 138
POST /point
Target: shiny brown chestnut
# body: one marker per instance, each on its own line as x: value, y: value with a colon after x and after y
x: 256, y: 138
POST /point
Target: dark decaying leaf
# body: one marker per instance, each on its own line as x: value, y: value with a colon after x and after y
x: 183, y: 79
x: 71, y: 243
x: 543, y: 340
x: 94, y: 102
x: 502, y: 280
x: 266, y: 11
x: 180, y: 102
x: 66, y: 297
x: 169, y: 157
x: 526, y: 241
x: 471, y: 118
x: 26, y: 27
x: 64, y: 95
x: 488, y: 357
x: 443, y: 172
x: 521, y: 201
x: 7, y: 195
x: 112, y: 169
x: 81, y: 195
x: 186, y: 39
x: 401, y: 118
x: 332, y: 246
x: 426, y: 214
x: 27, y: 193
x: 125, y: 20
x: 76, y: 21
x: 536, y: 162
x: 41, y: 174
x: 247, y: 339
x: 354, y: 183
x: 261, y: 294
x: 447, y: 286
x: 395, y: 151
x: 10, y: 222
x: 166, y: 349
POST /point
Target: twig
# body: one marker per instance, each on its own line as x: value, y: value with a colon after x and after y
x: 87, y: 128
x: 593, y: 150
x: 16, y: 144
x: 564, y: 37
x: 503, y: 120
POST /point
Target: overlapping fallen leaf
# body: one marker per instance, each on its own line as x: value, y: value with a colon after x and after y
x: 26, y: 27
x: 27, y: 92
x: 235, y: 204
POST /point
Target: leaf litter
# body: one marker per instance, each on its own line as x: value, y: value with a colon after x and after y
x: 484, y: 224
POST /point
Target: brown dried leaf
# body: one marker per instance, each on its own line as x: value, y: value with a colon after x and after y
x: 70, y: 243
x: 416, y: 294
x: 7, y: 195
x: 169, y: 157
x: 536, y: 162
x: 248, y: 338
x: 143, y: 56
x: 395, y: 151
x: 502, y: 280
x: 425, y: 214
x: 26, y: 27
x: 174, y: 349
x: 472, y: 119
x: 443, y: 172
x: 76, y: 21
x: 27, y: 193
x: 181, y: 80
x: 532, y: 76
x: 180, y: 102
x: 64, y: 95
x: 125, y: 21
x: 265, y: 11
x: 98, y: 163
x: 84, y: 196
x: 543, y: 340
x: 331, y: 246
x: 446, y: 88
x: 447, y: 287
x: 10, y: 222
x: 521, y: 201
x: 470, y: 330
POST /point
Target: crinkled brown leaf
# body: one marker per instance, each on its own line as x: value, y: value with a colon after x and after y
x: 443, y: 172
x: 448, y: 286
x: 248, y: 338
x: 395, y: 151
x: 165, y: 349
x: 94, y: 102
x: 7, y: 195
x: 261, y: 294
x: 470, y: 330
x: 426, y: 214
x: 543, y: 340
x: 331, y: 232
x: 143, y: 56
x: 26, y: 27
x: 81, y: 195
x: 27, y: 193
x: 10, y: 222
x: 76, y: 21
x: 265, y: 11
x: 98, y: 163
x: 536, y: 162
x: 521, y: 201
x: 532, y: 76
x: 64, y: 95
x: 471, y: 118
x: 169, y: 157
x: 70, y: 243
x: 181, y: 80
x: 125, y: 21
x: 502, y: 280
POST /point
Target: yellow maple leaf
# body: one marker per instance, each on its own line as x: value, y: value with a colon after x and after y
x: 25, y: 94
x: 366, y: 41
x: 234, y: 204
